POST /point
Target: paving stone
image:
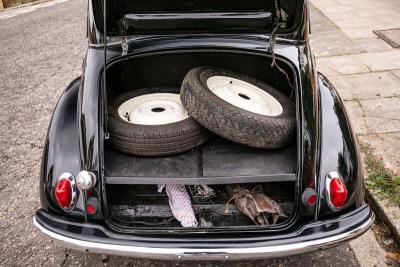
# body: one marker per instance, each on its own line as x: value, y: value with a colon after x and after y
x: 359, y: 32
x: 339, y: 15
x: 356, y: 22
x: 324, y: 3
x: 321, y: 23
x: 389, y: 21
x: 367, y: 85
x: 387, y: 147
x: 382, y: 115
x: 333, y: 45
x: 372, y: 44
x: 369, y: 251
x: 380, y: 61
x: 327, y: 39
x: 358, y: 19
x: 341, y: 65
x: 355, y: 114
x: 368, y: 12
x: 339, y: 8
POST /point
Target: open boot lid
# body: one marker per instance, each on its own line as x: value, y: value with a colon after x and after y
x: 288, y: 19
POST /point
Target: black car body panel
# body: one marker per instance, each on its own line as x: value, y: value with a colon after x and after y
x: 61, y: 147
x: 76, y: 135
x: 338, y: 146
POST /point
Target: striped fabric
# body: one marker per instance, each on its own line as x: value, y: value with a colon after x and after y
x: 179, y: 201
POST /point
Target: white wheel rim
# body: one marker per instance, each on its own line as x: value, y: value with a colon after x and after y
x: 244, y: 95
x: 153, y: 109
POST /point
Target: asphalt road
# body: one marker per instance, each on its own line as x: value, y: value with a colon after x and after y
x: 41, y: 51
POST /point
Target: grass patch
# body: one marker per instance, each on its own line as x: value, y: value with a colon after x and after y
x: 381, y: 180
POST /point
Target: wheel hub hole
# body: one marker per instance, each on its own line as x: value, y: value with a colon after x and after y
x: 158, y: 109
x: 244, y: 96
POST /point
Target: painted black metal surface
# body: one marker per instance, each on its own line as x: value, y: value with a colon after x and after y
x: 90, y: 98
x: 75, y: 139
x: 338, y: 146
x: 61, y: 152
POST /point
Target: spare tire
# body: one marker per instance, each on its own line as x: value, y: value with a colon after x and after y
x: 152, y: 122
x: 238, y: 107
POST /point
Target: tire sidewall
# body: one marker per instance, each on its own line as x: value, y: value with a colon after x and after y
x: 233, y: 122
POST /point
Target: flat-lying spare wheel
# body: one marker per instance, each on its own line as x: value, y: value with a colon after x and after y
x: 238, y: 107
x: 153, y: 122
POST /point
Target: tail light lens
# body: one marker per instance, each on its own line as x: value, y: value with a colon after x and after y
x: 309, y: 197
x: 90, y: 209
x: 336, y: 191
x: 65, y: 191
x: 85, y: 180
x: 92, y: 206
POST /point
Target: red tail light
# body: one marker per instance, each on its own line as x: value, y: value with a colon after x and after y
x: 92, y: 206
x: 65, y: 192
x: 309, y: 197
x: 90, y: 209
x: 336, y: 191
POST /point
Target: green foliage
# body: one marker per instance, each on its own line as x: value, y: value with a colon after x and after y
x: 382, y: 180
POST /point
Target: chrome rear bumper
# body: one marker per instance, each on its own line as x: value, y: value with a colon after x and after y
x: 85, y: 237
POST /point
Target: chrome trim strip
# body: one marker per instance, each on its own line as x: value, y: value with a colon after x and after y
x: 205, y: 254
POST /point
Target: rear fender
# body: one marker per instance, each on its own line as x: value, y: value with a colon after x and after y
x: 61, y: 151
x: 338, y: 150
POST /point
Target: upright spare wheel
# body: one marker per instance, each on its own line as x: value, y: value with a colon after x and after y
x: 152, y: 122
x: 238, y: 107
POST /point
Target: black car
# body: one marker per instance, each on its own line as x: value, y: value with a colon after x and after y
x: 98, y: 198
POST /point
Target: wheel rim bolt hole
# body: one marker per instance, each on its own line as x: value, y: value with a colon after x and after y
x: 244, y: 96
x: 158, y: 109
x: 127, y: 116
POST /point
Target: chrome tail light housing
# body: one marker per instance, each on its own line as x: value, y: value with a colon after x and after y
x: 335, y: 191
x: 65, y: 191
